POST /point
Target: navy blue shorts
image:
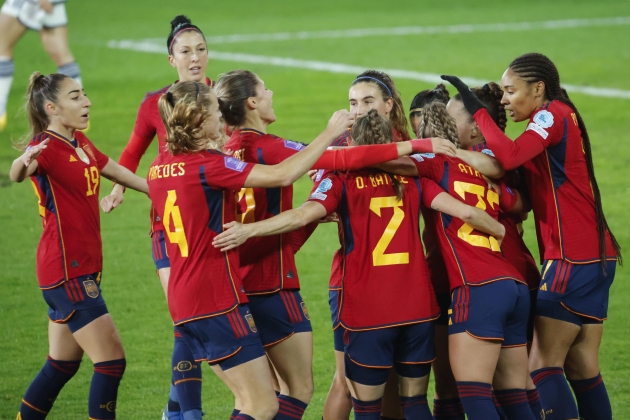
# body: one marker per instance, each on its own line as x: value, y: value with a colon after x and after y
x: 444, y: 302
x: 370, y: 354
x: 576, y: 293
x: 228, y: 340
x: 279, y: 315
x: 338, y: 329
x: 77, y: 302
x: 494, y: 311
x: 158, y: 250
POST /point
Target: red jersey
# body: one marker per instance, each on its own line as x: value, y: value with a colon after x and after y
x: 67, y: 183
x: 195, y: 195
x: 554, y: 163
x: 385, y: 280
x: 148, y: 125
x: 513, y: 246
x: 471, y: 257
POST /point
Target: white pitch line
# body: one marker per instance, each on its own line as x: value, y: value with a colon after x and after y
x: 415, y: 30
x: 150, y: 47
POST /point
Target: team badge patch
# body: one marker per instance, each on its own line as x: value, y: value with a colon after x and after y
x: 541, y: 131
x: 250, y: 321
x: 91, y: 288
x: 487, y: 152
x: 324, y: 186
x: 294, y: 145
x: 304, y: 310
x: 420, y: 157
x: 234, y: 164
x: 319, y: 175
x: 544, y: 119
x: 90, y: 152
x: 82, y: 155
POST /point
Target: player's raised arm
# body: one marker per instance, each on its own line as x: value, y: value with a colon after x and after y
x: 288, y: 221
x: 26, y: 165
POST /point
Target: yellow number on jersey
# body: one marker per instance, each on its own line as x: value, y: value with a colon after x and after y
x: 248, y: 193
x: 465, y: 232
x: 379, y: 257
x: 171, y: 213
x: 93, y: 178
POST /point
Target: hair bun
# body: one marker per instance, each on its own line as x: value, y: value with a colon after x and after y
x: 180, y: 20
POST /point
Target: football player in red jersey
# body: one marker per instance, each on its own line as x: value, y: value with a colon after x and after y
x: 579, y: 250
x: 189, y: 56
x: 65, y: 169
x: 387, y: 323
x: 513, y: 246
x: 205, y: 292
x: 269, y: 274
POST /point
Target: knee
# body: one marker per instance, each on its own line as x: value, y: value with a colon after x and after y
x: 581, y: 366
x: 267, y: 410
x: 303, y: 391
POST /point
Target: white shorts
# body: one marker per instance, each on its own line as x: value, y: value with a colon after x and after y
x: 33, y: 17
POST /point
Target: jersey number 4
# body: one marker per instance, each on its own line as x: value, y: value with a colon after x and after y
x: 174, y: 217
x: 379, y: 257
x: 465, y: 232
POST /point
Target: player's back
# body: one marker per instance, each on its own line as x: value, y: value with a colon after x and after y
x: 194, y: 195
x: 385, y: 278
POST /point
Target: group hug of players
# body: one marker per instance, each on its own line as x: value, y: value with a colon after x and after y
x: 504, y: 340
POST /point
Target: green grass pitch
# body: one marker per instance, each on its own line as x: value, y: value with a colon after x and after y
x: 116, y: 81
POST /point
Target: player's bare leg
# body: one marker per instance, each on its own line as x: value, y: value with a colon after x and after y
x: 293, y: 361
x: 274, y: 377
x: 100, y: 340
x: 238, y: 403
x: 445, y: 386
x: 164, y: 274
x: 391, y: 401
x: 511, y: 371
x: 252, y: 382
x: 365, y: 392
x: 12, y: 31
x: 338, y: 403
x: 55, y: 43
x: 62, y: 345
x: 552, y: 341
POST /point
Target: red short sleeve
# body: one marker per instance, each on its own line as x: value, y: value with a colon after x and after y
x: 430, y: 190
x: 429, y: 165
x: 223, y: 171
x: 277, y: 151
x: 507, y: 198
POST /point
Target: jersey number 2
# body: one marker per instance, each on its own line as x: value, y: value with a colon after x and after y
x: 379, y: 257
x: 172, y: 214
x: 465, y: 232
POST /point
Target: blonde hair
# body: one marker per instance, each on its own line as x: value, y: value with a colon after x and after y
x: 435, y: 121
x: 184, y: 108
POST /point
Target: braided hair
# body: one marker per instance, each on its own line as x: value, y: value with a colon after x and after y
x: 436, y: 122
x: 397, y: 116
x: 372, y: 128
x: 535, y: 67
x: 490, y: 95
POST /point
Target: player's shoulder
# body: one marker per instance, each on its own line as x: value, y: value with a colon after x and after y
x: 154, y: 96
x: 550, y: 113
x: 344, y: 139
x: 426, y: 157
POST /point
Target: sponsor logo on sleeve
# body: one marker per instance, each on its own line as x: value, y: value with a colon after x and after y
x: 319, y: 175
x: 544, y: 119
x: 420, y: 157
x: 324, y: 186
x: 234, y: 164
x: 293, y: 145
x: 487, y: 152
x: 541, y: 131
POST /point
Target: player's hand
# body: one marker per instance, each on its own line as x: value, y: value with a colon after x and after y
x: 330, y: 218
x: 234, y: 235
x: 312, y: 173
x: 443, y: 147
x: 340, y: 121
x: 110, y: 202
x: 33, y: 152
x: 46, y: 5
x: 471, y: 102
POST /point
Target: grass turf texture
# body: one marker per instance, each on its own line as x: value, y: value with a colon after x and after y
x: 116, y: 81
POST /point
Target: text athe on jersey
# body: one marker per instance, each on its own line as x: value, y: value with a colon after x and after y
x: 165, y: 171
x: 469, y: 170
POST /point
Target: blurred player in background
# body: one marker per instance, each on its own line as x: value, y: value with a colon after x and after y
x: 205, y: 292
x: 580, y: 252
x: 188, y: 54
x: 48, y: 17
x: 65, y: 169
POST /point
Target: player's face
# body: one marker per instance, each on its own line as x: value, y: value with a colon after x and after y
x: 264, y: 101
x: 462, y: 118
x: 190, y: 57
x: 414, y: 120
x: 72, y: 108
x: 365, y: 96
x: 520, y: 98
x: 212, y: 122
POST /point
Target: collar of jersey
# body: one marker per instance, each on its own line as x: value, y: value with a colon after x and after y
x: 60, y: 138
x: 251, y: 131
x: 208, y: 82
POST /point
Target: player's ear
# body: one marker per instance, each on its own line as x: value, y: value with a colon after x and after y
x: 474, y: 131
x: 171, y: 60
x: 389, y: 104
x: 539, y: 89
x: 251, y: 102
x: 50, y: 108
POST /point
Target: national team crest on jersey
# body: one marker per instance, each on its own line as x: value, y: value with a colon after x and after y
x: 487, y: 152
x: 293, y: 145
x: 82, y: 155
x: 304, y: 310
x: 250, y: 321
x: 234, y: 164
x: 324, y: 186
x: 89, y: 151
x: 544, y: 119
x: 91, y: 289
